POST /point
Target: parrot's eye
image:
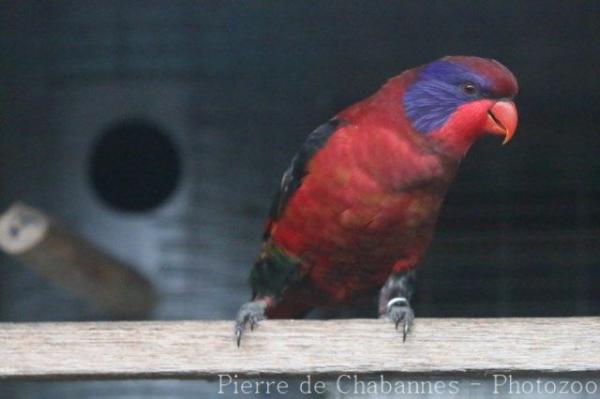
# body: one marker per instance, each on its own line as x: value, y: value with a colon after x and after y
x: 469, y: 89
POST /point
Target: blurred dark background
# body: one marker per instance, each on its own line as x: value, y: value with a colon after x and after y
x: 159, y: 130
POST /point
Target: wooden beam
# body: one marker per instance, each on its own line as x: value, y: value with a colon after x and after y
x: 205, y: 349
x: 73, y: 263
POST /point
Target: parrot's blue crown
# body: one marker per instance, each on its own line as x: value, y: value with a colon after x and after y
x: 441, y: 87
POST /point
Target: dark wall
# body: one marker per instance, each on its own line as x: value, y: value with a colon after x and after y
x: 236, y: 86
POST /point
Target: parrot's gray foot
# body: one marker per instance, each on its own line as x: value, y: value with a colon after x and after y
x: 399, y: 311
x: 394, y: 301
x: 250, y: 313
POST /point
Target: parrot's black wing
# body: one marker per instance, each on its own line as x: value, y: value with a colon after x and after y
x: 275, y: 269
x: 292, y: 178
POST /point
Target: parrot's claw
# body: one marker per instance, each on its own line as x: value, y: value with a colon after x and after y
x: 250, y: 313
x: 399, y: 311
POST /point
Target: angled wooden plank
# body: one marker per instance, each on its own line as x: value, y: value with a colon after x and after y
x: 46, y: 246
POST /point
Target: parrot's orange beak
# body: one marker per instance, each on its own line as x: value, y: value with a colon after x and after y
x: 502, y: 119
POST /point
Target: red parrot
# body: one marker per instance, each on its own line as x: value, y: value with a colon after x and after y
x: 357, y: 207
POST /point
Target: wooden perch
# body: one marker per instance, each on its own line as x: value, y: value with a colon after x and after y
x: 71, y: 262
x: 205, y: 349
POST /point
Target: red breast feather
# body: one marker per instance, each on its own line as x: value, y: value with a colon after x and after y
x: 368, y: 203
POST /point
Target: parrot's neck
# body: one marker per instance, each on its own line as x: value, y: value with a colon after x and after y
x: 453, y: 148
x: 385, y: 148
x: 400, y: 162
x: 459, y: 133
